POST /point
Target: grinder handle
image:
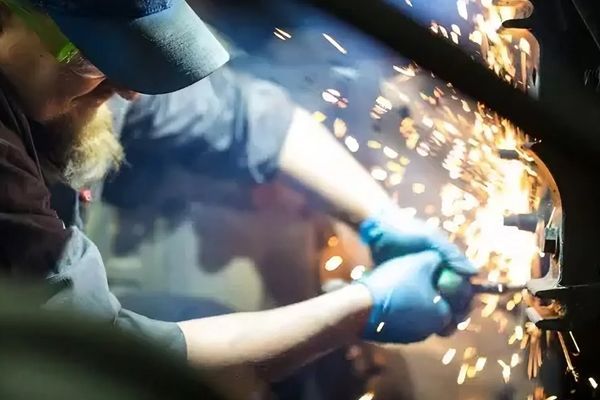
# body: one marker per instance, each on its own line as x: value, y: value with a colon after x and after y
x: 454, y: 288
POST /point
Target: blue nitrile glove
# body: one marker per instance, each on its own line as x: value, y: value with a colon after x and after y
x: 390, y: 235
x: 396, y: 237
x: 406, y: 306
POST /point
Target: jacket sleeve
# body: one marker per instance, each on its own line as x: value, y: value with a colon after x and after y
x: 81, y: 285
x: 35, y: 245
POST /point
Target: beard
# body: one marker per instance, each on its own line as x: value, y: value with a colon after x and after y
x: 80, y: 149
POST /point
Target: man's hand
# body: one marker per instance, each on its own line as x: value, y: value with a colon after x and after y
x: 392, y: 236
x: 407, y: 306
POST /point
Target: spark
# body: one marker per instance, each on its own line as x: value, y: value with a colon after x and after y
x: 525, y: 46
x: 319, y: 116
x: 333, y: 263
x: 451, y: 129
x: 367, y: 396
x: 418, y: 188
x: 408, y: 212
x: 437, y: 299
x: 423, y: 149
x: 407, y: 71
x: 396, y: 179
x: 514, y: 360
x: 390, y: 153
x: 428, y: 122
x: 505, y: 371
x: 469, y: 353
x: 517, y: 298
x: 519, y: 332
x: 462, y: 374
x: 394, y: 167
x: 283, y: 33
x: 404, y: 161
x: 462, y: 9
x: 471, y: 372
x: 379, y: 174
x: 339, y: 128
x: 352, y: 144
x: 593, y: 383
x: 333, y: 241
x: 429, y: 209
x: 480, y: 364
x: 448, y: 356
x: 278, y: 35
x: 373, y: 144
x: 476, y: 37
x: 465, y: 106
x: 434, y: 222
x: 380, y: 327
x: 574, y: 342
x: 489, y: 309
x: 460, y: 219
x: 331, y: 96
x: 358, y: 272
x: 443, y: 31
x: 552, y: 398
x: 463, y: 325
x: 439, y: 136
x: 335, y: 44
x: 510, y: 305
x: 452, y: 228
x: 454, y: 37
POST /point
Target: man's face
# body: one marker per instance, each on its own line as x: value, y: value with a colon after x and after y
x: 78, y: 142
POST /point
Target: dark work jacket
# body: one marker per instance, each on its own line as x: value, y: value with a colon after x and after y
x: 36, y: 245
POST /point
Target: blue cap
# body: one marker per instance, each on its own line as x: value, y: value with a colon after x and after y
x: 150, y: 46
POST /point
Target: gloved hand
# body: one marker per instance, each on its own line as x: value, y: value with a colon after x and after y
x: 391, y: 235
x: 406, y: 306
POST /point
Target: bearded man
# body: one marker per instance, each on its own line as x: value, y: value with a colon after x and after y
x: 61, y: 60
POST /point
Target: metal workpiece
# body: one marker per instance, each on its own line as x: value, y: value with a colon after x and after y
x: 551, y: 241
x: 524, y: 222
x: 509, y: 154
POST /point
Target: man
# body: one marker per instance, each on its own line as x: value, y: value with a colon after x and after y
x: 55, y: 128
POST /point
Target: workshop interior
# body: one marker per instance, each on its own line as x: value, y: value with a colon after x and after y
x: 478, y: 116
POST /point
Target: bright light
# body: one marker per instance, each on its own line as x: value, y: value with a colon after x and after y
x: 352, y: 144
x: 335, y: 44
x: 333, y: 263
x: 358, y: 272
x: 448, y: 356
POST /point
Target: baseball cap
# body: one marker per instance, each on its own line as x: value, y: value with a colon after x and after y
x: 150, y: 46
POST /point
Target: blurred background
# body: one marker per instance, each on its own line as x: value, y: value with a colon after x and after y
x: 197, y: 246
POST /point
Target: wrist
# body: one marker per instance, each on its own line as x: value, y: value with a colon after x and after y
x: 357, y: 302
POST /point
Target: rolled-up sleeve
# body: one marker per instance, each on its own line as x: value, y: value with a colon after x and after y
x: 228, y: 126
x: 80, y: 284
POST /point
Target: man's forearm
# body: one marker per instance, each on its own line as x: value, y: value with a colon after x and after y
x: 313, y: 157
x: 275, y: 342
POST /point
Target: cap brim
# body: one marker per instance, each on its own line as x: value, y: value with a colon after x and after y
x: 158, y: 53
